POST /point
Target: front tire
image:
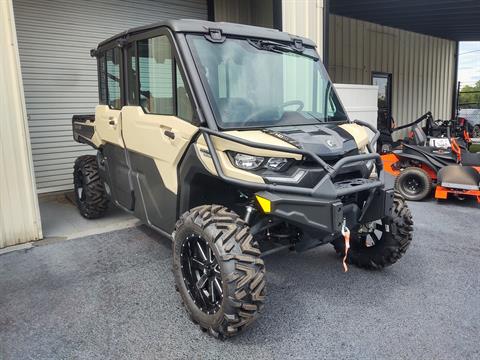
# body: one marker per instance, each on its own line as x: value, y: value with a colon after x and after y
x: 218, y: 270
x: 414, y: 184
x: 374, y: 251
x: 90, y: 195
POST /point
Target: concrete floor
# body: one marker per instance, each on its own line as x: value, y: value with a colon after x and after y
x: 61, y: 219
x: 111, y: 296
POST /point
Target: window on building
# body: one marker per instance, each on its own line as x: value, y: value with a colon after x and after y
x: 384, y: 83
x: 155, y: 65
x: 113, y: 57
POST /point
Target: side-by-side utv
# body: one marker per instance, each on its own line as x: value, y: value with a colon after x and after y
x: 231, y: 141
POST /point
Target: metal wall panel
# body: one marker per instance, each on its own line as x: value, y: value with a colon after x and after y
x: 304, y: 18
x: 55, y: 38
x: 250, y: 12
x: 422, y: 66
x: 19, y: 214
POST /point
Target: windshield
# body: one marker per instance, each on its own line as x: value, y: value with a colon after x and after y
x: 264, y: 83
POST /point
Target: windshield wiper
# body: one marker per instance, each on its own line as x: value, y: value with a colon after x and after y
x: 278, y: 48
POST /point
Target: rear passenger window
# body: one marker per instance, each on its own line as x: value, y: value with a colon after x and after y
x: 102, y: 78
x: 155, y: 68
x: 113, y: 57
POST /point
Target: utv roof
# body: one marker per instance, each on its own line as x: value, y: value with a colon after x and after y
x: 204, y: 27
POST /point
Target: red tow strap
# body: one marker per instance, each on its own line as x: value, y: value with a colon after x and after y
x: 346, y: 237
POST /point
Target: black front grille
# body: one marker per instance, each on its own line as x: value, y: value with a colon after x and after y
x: 348, y: 176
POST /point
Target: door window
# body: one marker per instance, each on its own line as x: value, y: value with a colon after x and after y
x: 113, y: 78
x: 184, y: 105
x: 155, y: 65
x: 102, y: 80
x: 131, y: 85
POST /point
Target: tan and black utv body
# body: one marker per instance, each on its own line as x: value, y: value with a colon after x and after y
x: 231, y: 141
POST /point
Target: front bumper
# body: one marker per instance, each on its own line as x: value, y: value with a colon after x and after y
x: 316, y: 214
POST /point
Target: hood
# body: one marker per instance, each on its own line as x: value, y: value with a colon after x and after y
x: 329, y: 141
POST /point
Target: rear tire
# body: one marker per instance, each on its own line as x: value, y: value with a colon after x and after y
x: 387, y: 249
x: 228, y: 259
x: 414, y: 184
x: 90, y: 195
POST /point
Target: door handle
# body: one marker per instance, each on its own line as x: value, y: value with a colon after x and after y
x: 112, y: 122
x: 169, y: 134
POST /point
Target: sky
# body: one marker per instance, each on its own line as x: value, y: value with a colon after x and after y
x: 469, y: 62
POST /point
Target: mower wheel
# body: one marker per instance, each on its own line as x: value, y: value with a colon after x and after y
x: 414, y: 184
x: 90, y: 195
x: 218, y: 270
x: 476, y: 131
x: 385, y: 244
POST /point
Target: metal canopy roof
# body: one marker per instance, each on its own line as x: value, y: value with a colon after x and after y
x: 450, y: 19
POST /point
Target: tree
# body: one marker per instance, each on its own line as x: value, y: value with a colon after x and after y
x: 469, y: 96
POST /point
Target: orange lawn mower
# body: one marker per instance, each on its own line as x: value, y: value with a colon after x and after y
x: 418, y: 168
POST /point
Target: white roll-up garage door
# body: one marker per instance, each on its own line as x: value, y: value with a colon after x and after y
x: 59, y: 76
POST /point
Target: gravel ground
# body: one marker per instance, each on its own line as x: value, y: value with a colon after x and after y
x: 111, y: 296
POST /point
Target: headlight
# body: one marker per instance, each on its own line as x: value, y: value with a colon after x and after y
x: 276, y: 163
x: 252, y: 162
x: 247, y: 162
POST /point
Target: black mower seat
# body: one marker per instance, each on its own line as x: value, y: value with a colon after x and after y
x: 459, y: 177
x: 470, y: 159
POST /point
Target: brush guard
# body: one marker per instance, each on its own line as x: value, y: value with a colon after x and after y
x: 320, y: 207
x: 324, y: 186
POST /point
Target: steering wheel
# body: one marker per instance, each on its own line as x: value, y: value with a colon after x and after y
x: 269, y: 111
x: 294, y: 102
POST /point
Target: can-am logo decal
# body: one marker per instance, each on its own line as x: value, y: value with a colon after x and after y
x: 331, y: 143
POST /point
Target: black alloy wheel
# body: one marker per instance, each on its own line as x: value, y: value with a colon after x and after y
x: 201, y: 274
x: 373, y: 236
x: 79, y: 186
x: 218, y: 270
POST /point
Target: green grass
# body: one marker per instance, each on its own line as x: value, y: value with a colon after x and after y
x: 475, y: 148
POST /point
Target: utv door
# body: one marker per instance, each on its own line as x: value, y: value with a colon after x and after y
x: 108, y: 123
x: 155, y: 136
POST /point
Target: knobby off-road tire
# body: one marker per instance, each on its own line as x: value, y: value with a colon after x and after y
x: 414, y: 184
x: 90, y: 195
x: 241, y: 270
x: 389, y: 248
